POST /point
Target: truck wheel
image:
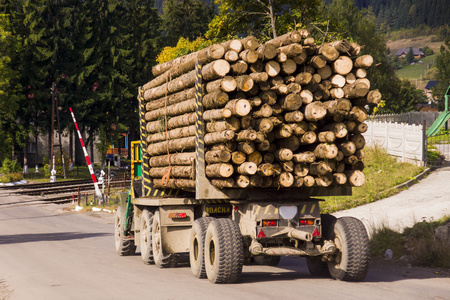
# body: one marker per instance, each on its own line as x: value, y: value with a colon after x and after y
x: 351, y: 259
x: 123, y: 246
x: 161, y: 260
x: 224, y: 251
x: 267, y: 260
x: 315, y: 265
x: 146, y: 237
x: 197, y: 246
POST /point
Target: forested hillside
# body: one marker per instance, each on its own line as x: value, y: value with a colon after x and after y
x: 159, y: 3
x: 397, y: 14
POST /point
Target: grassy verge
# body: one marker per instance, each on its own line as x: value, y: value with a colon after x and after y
x: 418, y: 70
x: 382, y: 173
x: 417, y: 245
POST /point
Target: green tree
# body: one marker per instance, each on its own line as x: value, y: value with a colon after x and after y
x: 185, y: 18
x: 443, y: 70
x: 410, y: 56
x: 264, y: 19
x: 10, y: 88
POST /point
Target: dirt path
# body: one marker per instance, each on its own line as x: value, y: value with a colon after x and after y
x: 428, y: 200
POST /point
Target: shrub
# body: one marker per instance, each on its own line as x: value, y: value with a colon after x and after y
x: 9, y: 166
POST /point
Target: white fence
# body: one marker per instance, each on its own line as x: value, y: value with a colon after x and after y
x: 406, y: 142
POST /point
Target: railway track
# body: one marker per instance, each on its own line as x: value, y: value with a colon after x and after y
x: 61, y: 192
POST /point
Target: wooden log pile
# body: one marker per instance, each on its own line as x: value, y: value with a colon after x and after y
x: 286, y: 113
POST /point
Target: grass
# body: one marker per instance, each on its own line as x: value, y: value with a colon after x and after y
x: 382, y: 172
x: 418, y: 70
x: 417, y: 245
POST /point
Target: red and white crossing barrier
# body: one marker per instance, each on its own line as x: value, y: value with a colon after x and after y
x: 88, y: 161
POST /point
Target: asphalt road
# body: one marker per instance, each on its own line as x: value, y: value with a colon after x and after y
x: 47, y: 253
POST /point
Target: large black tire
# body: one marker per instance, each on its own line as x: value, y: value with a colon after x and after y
x: 146, y: 237
x: 315, y: 264
x: 224, y: 252
x: 267, y: 260
x: 124, y: 246
x: 197, y: 246
x: 351, y: 259
x: 161, y: 260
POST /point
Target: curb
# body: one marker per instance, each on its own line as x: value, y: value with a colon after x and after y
x: 410, y: 182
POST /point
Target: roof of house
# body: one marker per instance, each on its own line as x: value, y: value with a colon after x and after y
x: 416, y: 51
x: 431, y: 84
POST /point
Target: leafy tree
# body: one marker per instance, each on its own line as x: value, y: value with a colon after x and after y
x: 9, y: 87
x: 410, y: 56
x: 185, y: 18
x: 443, y: 70
x: 264, y: 19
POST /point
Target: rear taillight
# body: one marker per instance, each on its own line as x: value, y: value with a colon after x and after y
x: 269, y: 223
x: 177, y: 215
x: 306, y: 221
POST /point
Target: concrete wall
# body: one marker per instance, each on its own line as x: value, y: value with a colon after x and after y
x: 406, y: 142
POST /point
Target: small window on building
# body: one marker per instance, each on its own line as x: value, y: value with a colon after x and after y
x: 31, y: 147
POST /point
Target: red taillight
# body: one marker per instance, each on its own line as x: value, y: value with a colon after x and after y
x: 261, y: 234
x: 268, y: 223
x: 306, y: 221
x: 177, y: 215
x: 316, y: 232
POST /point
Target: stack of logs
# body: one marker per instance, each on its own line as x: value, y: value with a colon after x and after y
x: 286, y: 113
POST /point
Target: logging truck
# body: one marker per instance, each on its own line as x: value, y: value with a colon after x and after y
x: 238, y: 142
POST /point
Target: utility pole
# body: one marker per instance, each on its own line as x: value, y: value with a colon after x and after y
x: 52, y: 132
x: 59, y: 133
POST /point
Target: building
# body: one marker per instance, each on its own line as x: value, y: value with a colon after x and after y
x: 401, y: 53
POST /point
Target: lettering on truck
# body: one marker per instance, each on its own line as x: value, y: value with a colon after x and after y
x: 218, y: 209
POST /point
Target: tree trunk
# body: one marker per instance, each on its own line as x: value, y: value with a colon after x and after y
x: 180, y: 159
x: 219, y: 170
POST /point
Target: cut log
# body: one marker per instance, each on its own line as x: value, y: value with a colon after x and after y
x: 171, y: 134
x: 231, y: 56
x: 287, y: 166
x: 359, y: 113
x: 356, y: 90
x: 308, y: 181
x: 231, y: 123
x: 339, y: 178
x: 247, y: 168
x: 223, y: 183
x: 307, y: 96
x: 328, y: 52
x: 184, y: 184
x: 286, y: 39
x: 350, y: 78
x: 235, y: 45
x: 283, y: 154
x: 301, y: 59
x: 319, y: 168
x: 293, y: 117
x: 181, y: 159
x: 175, y: 172
x: 304, y: 157
x: 239, y: 107
x: 288, y: 67
x: 208, y: 54
x: 325, y: 72
x: 169, y: 100
x: 255, y: 101
x: 255, y: 157
x: 265, y: 169
x: 298, y: 182
x: 337, y: 93
x: 266, y: 51
x: 265, y: 111
x: 318, y: 62
x: 343, y: 65
x: 272, y: 68
x: 219, y: 170
x: 338, y: 107
x: 355, y: 49
x: 268, y: 158
x: 244, y: 83
x: 338, y: 81
x: 326, y: 151
x: 242, y: 181
x: 218, y: 137
x: 342, y: 46
x: 246, y: 135
x: 308, y: 138
x: 348, y: 148
x: 216, y: 114
x: 282, y: 131
x: 268, y: 97
x: 239, y: 67
x: 214, y: 100
x: 226, y: 84
x: 217, y: 156
x: 250, y: 43
x: 374, y: 97
x: 360, y: 73
x: 291, y: 102
x: 259, y: 77
x: 301, y: 170
x: 299, y: 128
x: 359, y: 140
x: 314, y: 111
x: 246, y: 147
x: 324, y: 181
x: 249, y: 56
x: 355, y: 177
x: 326, y: 136
x: 280, y: 89
x: 291, y: 50
x: 255, y: 181
x: 247, y: 122
x: 284, y: 180
x: 364, y: 61
x: 238, y: 157
x: 294, y: 88
x: 303, y: 78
